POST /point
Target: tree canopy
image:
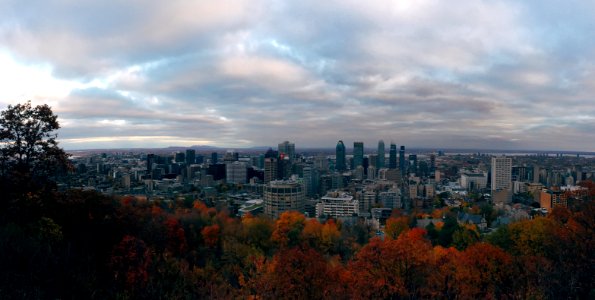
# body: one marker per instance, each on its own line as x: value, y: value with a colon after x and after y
x: 28, y: 143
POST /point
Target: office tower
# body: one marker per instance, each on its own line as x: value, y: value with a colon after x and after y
x: 359, y: 173
x: 371, y: 175
x: 402, y: 165
x: 190, y: 156
x: 270, y: 169
x: 432, y: 162
x: 287, y: 149
x: 180, y: 157
x: 501, y: 173
x: 392, y: 158
x: 282, y: 196
x: 321, y: 163
x: 340, y: 157
x: 236, y: 172
x: 358, y: 154
x: 308, y: 186
x: 413, y: 163
x: 381, y: 157
x: 214, y: 158
x: 151, y: 159
x: 372, y: 160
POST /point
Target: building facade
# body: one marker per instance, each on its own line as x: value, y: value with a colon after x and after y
x: 281, y: 196
x: 337, y: 204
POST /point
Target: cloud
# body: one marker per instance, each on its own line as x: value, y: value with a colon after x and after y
x: 501, y: 74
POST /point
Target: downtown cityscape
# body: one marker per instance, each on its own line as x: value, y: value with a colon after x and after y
x: 262, y: 149
x: 371, y: 182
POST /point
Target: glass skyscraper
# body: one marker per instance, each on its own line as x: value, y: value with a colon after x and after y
x: 380, y: 158
x: 358, y: 154
x: 392, y: 157
x: 340, y: 154
x: 402, y: 165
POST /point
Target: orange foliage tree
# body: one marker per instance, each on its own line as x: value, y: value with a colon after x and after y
x: 288, y: 229
x: 391, y: 268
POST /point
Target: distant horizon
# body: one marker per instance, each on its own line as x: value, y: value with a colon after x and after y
x: 329, y: 148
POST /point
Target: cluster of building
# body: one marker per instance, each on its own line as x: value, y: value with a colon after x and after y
x: 364, y: 184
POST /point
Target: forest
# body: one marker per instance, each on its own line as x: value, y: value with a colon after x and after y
x: 84, y: 245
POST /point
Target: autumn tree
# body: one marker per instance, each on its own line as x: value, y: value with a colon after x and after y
x: 295, y: 273
x: 288, y: 229
x: 392, y: 268
x: 483, y: 271
x: 395, y: 226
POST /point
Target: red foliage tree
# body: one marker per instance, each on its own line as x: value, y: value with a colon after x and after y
x: 130, y: 261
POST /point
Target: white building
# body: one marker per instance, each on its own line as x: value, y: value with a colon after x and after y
x: 337, y: 204
x: 501, y: 173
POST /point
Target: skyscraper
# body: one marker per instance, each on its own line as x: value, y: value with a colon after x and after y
x: 392, y: 158
x: 358, y: 154
x: 340, y: 157
x: 287, y: 149
x: 380, y: 158
x: 413, y: 163
x: 270, y: 169
x: 402, y: 165
x: 151, y: 159
x: 190, y: 156
x: 214, y: 158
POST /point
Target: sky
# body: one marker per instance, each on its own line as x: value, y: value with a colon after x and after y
x: 229, y: 73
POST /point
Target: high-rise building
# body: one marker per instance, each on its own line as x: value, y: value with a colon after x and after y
x: 270, y: 169
x: 381, y: 156
x: 287, y: 149
x: 151, y: 159
x: 340, y: 157
x: 358, y: 154
x: 392, y: 156
x: 402, y: 165
x: 308, y: 186
x: 214, y: 158
x: 371, y: 175
x: 236, y: 172
x: 501, y: 173
x: 413, y: 163
x: 282, y: 196
x: 432, y: 162
x: 180, y: 157
x: 190, y: 156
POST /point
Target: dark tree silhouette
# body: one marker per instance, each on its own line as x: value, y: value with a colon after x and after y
x: 29, y: 160
x: 28, y: 143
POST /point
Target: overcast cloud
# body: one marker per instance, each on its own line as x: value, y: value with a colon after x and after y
x: 425, y: 73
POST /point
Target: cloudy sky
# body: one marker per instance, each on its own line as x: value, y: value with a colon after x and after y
x: 426, y: 73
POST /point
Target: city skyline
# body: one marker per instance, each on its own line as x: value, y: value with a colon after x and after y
x: 499, y: 75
